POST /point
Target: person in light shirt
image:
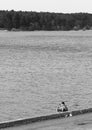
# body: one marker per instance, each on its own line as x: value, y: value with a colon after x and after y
x: 62, y: 107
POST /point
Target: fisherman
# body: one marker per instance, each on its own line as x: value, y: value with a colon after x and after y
x: 62, y: 107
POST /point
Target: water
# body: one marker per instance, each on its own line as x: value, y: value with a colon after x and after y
x: 38, y: 70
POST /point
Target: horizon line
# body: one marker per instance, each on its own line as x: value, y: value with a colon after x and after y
x: 44, y: 11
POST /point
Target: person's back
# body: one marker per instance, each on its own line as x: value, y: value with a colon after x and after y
x: 65, y: 107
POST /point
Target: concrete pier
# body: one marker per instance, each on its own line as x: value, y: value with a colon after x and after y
x: 61, y: 120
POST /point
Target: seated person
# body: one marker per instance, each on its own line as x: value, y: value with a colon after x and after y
x: 62, y: 107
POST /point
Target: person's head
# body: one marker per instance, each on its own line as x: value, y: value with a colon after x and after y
x: 63, y: 103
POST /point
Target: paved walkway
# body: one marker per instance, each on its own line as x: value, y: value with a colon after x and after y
x: 80, y: 122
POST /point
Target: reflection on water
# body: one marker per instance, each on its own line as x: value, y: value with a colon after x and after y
x: 40, y: 69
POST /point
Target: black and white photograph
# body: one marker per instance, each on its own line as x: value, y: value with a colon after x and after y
x: 45, y: 65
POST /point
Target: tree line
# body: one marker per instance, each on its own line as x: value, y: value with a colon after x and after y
x: 28, y: 20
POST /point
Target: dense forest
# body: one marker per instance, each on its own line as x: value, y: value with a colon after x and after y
x: 24, y: 20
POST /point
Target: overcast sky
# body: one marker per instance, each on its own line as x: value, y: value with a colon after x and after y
x: 62, y: 6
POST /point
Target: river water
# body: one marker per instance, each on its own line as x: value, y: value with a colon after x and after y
x: 40, y: 69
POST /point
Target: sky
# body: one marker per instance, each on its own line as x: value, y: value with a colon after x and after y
x: 60, y: 6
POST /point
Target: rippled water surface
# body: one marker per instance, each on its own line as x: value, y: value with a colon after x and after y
x: 38, y: 70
